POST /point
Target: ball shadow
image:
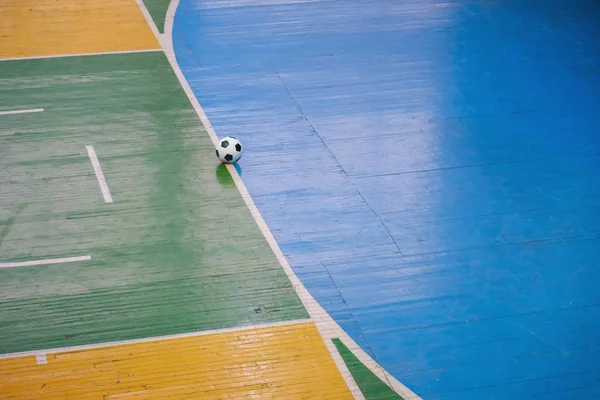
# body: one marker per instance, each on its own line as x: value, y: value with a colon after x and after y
x: 224, y: 177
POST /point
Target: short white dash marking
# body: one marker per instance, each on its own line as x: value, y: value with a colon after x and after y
x: 31, y: 110
x: 44, y: 262
x: 41, y: 359
x: 99, y: 174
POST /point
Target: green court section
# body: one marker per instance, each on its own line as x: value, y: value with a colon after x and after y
x: 158, y: 11
x: 369, y: 384
x: 177, y: 251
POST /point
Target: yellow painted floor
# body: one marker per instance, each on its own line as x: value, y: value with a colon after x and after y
x: 285, y: 362
x: 30, y: 28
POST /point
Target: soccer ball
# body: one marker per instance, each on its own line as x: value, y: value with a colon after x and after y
x: 229, y: 150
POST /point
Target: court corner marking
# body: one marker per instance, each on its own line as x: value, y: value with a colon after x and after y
x: 327, y: 327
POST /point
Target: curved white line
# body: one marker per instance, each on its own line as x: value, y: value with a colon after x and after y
x: 326, y: 325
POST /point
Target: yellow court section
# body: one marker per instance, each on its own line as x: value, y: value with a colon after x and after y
x: 30, y: 28
x: 284, y: 362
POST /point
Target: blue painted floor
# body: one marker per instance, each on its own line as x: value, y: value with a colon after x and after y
x: 431, y: 169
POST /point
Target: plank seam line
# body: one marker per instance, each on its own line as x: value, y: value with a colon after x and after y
x: 81, y: 54
x: 327, y: 327
x: 241, y: 329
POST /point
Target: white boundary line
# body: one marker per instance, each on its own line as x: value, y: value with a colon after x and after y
x: 44, y: 262
x: 41, y: 354
x: 80, y: 54
x: 150, y: 21
x: 99, y: 174
x: 31, y: 110
x: 328, y: 328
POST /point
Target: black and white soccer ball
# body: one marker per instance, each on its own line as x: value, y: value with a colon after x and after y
x: 229, y: 150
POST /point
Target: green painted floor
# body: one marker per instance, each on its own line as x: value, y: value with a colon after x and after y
x: 368, y: 383
x: 178, y: 251
x: 158, y: 12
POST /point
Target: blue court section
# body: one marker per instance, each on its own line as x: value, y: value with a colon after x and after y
x: 431, y: 170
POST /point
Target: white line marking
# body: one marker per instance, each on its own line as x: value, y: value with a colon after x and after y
x: 32, y: 110
x: 246, y: 328
x: 170, y: 20
x: 41, y: 359
x: 80, y: 54
x: 149, y: 20
x: 328, y: 328
x: 99, y: 174
x: 44, y: 262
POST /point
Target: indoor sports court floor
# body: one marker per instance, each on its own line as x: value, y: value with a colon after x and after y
x: 416, y: 214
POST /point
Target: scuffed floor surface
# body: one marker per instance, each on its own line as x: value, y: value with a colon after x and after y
x: 430, y: 170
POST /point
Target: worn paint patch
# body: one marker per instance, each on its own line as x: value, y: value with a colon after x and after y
x: 9, y: 221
